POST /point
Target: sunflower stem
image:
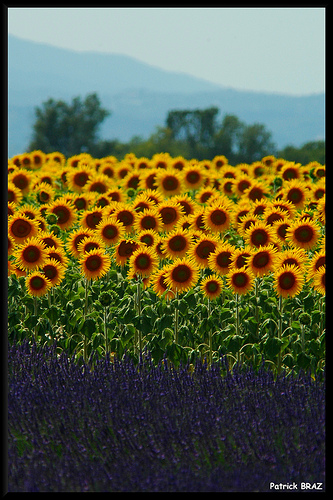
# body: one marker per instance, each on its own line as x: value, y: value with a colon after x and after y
x: 176, y: 318
x: 105, y: 332
x: 85, y: 354
x: 35, y: 314
x: 237, y: 323
x: 210, y: 336
x: 138, y: 294
x: 280, y: 332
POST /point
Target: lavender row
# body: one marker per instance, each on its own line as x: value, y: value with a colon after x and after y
x: 126, y: 427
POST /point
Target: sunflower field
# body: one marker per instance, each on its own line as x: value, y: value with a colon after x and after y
x: 188, y: 258
x: 169, y: 275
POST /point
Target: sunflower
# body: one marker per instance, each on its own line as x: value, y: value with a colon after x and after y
x: 219, y: 161
x: 116, y: 194
x: 31, y: 254
x: 280, y: 229
x: 184, y: 222
x: 149, y: 219
x: 142, y: 202
x: 303, y: 234
x: 64, y: 211
x: 240, y: 257
x: 54, y: 271
x: 98, y: 183
x: 169, y: 181
x: 220, y: 259
x: 257, y: 191
x: 75, y: 238
x: 204, y: 194
x: 90, y: 243
x: 29, y: 211
x: 241, y: 183
x: 240, y: 280
x: 186, y: 202
x: 262, y: 260
x: 259, y: 207
x: 273, y: 214
x: 296, y: 256
x: 321, y: 209
x: 196, y: 220
x: 11, y: 208
x: 286, y: 206
x: 143, y: 262
x: 288, y: 280
x: 259, y: 234
x: 131, y: 180
x: 242, y: 208
x: 95, y: 264
x: 258, y: 169
x: 22, y: 179
x: 245, y: 222
x: 82, y: 201
x: 319, y: 278
x: 268, y: 160
x: 160, y: 160
x: 78, y: 177
x: 181, y: 275
x: 20, y: 228
x: 44, y: 193
x: 50, y: 240
x: 193, y: 177
x: 110, y: 230
x: 37, y: 284
x: 58, y: 254
x: 125, y: 214
x: 216, y: 217
x: 291, y: 170
x: 295, y: 192
x: 201, y: 249
x: 90, y: 219
x: 318, y: 189
x: 176, y: 243
x: 211, y: 286
x: 178, y: 162
x: 170, y: 213
x: 15, y: 195
x: 11, y: 245
x: 142, y: 163
x: 123, y: 250
x: 123, y: 168
x: 57, y: 157
x: 317, y: 260
x: 108, y: 168
x: 147, y: 181
x: 148, y: 237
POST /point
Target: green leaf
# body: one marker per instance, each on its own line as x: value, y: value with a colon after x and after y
x: 88, y: 327
x: 234, y: 343
x: 303, y: 360
x: 191, y: 299
x: 272, y: 347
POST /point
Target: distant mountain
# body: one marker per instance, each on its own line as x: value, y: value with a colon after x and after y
x: 140, y: 96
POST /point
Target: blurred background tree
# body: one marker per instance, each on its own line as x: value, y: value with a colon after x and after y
x: 68, y: 128
x: 73, y: 128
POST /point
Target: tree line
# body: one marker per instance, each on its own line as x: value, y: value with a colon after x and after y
x: 72, y: 128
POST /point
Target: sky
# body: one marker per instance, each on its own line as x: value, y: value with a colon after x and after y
x: 280, y: 50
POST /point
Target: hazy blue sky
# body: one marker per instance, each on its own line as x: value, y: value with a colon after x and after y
x: 264, y: 49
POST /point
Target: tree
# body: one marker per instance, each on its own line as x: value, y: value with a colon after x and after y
x: 68, y: 128
x: 310, y: 151
x: 255, y: 143
x: 195, y: 127
x: 227, y: 138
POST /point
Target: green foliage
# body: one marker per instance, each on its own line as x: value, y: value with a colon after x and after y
x: 68, y: 128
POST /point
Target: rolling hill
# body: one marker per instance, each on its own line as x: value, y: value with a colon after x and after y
x: 139, y: 96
